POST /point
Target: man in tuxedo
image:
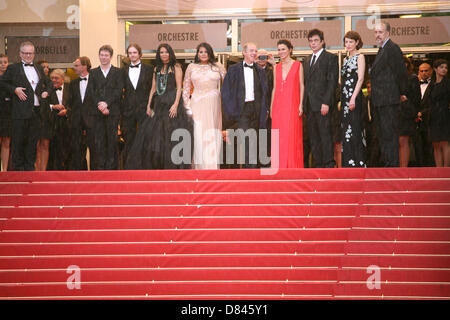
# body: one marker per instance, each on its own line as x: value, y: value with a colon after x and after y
x: 138, y: 79
x: 389, y: 83
x: 29, y: 86
x: 321, y: 77
x: 80, y: 118
x: 423, y: 145
x: 60, y: 143
x: 107, y: 90
x: 244, y: 102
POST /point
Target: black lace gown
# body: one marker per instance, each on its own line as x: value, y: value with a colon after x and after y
x: 353, y: 142
x: 153, y: 145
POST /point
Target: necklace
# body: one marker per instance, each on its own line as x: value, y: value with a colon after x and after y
x: 161, y: 82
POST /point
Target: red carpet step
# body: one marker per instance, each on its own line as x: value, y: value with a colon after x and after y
x: 227, y: 234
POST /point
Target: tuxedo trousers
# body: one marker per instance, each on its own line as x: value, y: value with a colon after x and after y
x: 386, y: 119
x: 129, y: 126
x: 321, y: 138
x: 423, y: 146
x: 249, y: 120
x: 59, y: 152
x: 24, y: 137
x: 81, y: 139
x: 105, y: 142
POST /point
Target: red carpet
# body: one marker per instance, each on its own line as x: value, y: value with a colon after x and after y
x: 228, y: 234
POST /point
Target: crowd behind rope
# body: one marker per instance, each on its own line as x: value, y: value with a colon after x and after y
x: 299, y: 113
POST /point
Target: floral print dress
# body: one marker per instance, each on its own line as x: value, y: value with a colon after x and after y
x: 353, y: 142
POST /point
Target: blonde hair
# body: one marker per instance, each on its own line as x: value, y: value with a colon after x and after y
x: 59, y: 72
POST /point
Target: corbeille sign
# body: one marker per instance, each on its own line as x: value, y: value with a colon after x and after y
x: 56, y: 50
x: 266, y: 34
x: 410, y: 31
x: 179, y: 36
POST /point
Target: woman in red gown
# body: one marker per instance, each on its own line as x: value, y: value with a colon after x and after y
x: 286, y: 109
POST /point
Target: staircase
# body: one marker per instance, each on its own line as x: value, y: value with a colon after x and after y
x: 227, y: 234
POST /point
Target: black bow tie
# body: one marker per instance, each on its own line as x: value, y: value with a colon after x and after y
x: 60, y: 88
x: 424, y: 82
x: 248, y: 66
x: 83, y: 79
x: 28, y: 64
x: 135, y: 66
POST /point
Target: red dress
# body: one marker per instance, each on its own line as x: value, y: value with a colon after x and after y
x: 285, y: 118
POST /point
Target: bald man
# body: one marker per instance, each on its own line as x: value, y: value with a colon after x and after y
x: 389, y: 85
x: 422, y: 142
x: 244, y: 98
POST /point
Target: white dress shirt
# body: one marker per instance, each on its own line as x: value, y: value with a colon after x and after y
x: 33, y: 79
x: 59, y: 95
x: 83, y: 86
x: 134, y: 73
x: 249, y: 89
x: 317, y: 54
x: 105, y: 72
x: 423, y: 87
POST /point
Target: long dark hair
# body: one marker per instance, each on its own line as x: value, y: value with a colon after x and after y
x: 172, y: 59
x: 211, y: 58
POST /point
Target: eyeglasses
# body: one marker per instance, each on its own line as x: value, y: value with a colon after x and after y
x: 27, y: 53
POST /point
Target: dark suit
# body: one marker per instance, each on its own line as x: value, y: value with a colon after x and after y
x: 247, y: 115
x: 109, y: 90
x: 80, y: 122
x: 372, y: 145
x: 59, y: 152
x: 134, y: 103
x: 25, y: 115
x: 422, y: 142
x: 321, y: 80
x: 389, y: 80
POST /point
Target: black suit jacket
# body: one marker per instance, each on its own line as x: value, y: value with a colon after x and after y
x: 425, y: 102
x: 15, y: 77
x: 321, y: 80
x: 53, y: 99
x: 233, y: 93
x: 107, y: 89
x: 410, y: 107
x: 77, y: 110
x: 389, y: 76
x: 65, y: 97
x: 135, y: 100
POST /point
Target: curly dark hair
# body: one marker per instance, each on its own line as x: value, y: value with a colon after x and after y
x: 438, y: 62
x: 354, y: 36
x: 317, y: 32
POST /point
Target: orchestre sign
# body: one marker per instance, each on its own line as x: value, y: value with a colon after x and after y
x: 427, y: 30
x: 54, y: 50
x: 267, y: 34
x: 179, y: 36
